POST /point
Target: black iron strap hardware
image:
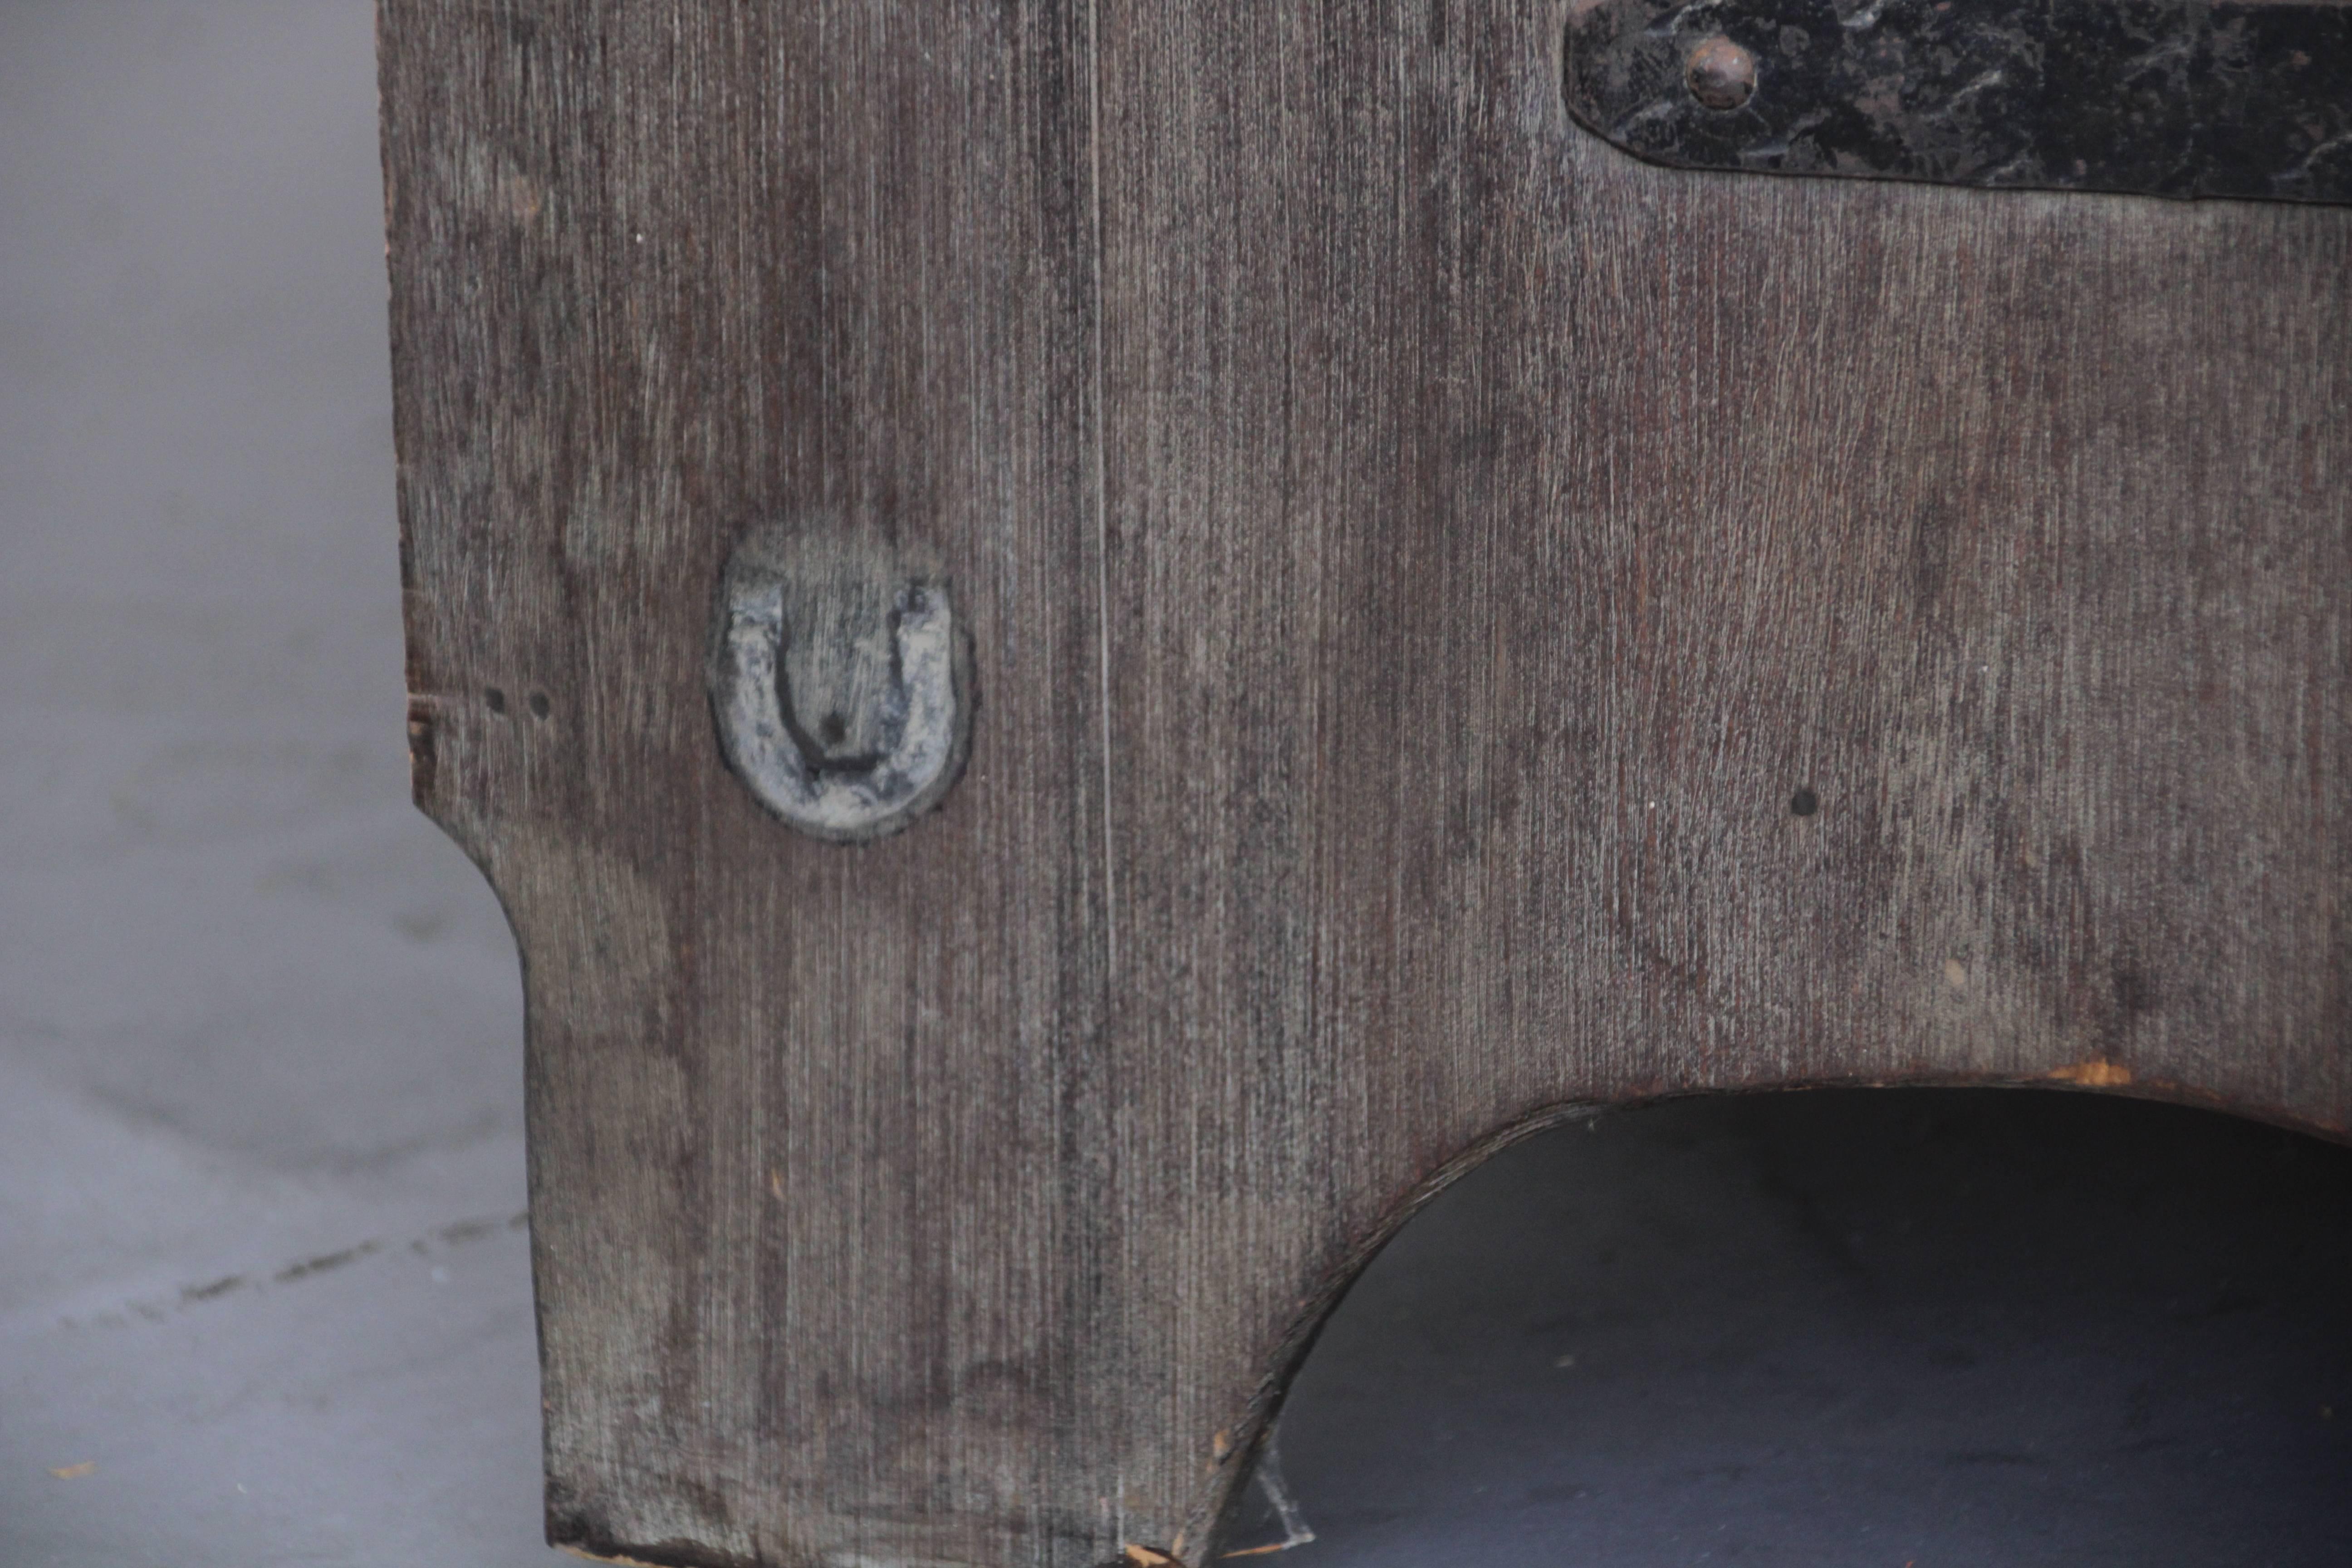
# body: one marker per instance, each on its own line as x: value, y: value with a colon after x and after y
x: 2249, y: 98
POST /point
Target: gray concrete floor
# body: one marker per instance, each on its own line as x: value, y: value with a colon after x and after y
x: 263, y: 1291
x: 261, y: 1030
x: 1884, y: 1329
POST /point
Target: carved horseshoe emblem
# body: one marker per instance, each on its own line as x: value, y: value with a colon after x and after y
x: 841, y: 691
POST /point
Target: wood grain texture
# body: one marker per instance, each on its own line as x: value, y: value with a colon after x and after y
x: 1413, y: 554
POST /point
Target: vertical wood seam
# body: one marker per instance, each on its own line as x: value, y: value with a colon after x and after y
x: 1102, y: 506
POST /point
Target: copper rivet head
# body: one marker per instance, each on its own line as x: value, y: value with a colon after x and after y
x: 1721, y: 75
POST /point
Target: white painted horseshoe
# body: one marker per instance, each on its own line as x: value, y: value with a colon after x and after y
x: 906, y: 703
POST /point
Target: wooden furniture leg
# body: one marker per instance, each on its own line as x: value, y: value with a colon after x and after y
x: 1316, y: 617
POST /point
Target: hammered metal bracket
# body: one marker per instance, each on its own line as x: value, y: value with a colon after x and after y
x: 2249, y: 98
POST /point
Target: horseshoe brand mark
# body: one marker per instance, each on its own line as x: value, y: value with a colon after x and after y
x: 841, y: 693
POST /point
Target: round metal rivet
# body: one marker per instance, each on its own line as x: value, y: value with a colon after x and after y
x: 1720, y: 74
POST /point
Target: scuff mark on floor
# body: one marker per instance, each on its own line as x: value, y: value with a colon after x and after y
x: 156, y: 1310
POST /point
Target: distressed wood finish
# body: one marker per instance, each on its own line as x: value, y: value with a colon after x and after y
x: 1414, y: 555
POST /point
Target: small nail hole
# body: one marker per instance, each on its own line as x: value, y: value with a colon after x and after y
x: 1804, y: 803
x: 496, y: 698
x: 833, y: 730
x: 538, y: 705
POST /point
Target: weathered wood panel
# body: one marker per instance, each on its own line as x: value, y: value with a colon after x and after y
x: 663, y: 275
x: 1415, y: 557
